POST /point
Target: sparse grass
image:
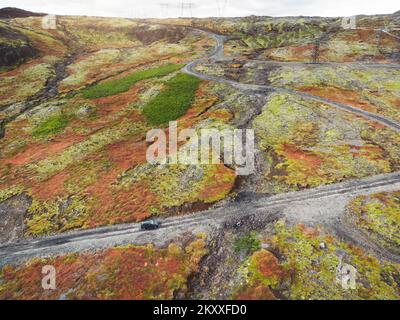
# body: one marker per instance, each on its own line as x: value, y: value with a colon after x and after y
x: 51, y: 126
x: 114, y: 87
x: 174, y: 101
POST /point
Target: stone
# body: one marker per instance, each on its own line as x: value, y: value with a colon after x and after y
x: 84, y: 111
x: 2, y: 128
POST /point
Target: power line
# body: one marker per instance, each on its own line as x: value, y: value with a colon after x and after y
x: 137, y: 13
x: 187, y: 6
x: 221, y: 5
x: 165, y: 9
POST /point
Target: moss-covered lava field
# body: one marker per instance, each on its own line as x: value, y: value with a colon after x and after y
x: 76, y: 104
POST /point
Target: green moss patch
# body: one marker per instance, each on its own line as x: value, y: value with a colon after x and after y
x: 51, y: 126
x: 174, y: 101
x: 113, y: 87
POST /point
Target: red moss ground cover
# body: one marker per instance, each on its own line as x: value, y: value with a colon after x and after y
x: 41, y: 150
x: 116, y: 103
x: 308, y: 159
x: 341, y: 96
x: 219, y: 184
x: 94, y: 179
x: 126, y: 273
x: 130, y: 204
x: 52, y: 188
x: 264, y: 266
x: 294, y: 53
x: 371, y: 152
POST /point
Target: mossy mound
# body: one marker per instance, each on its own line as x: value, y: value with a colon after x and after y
x: 306, y: 264
x: 378, y: 215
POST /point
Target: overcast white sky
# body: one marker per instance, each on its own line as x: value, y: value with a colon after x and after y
x: 206, y: 8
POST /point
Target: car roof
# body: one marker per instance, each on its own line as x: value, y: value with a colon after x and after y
x: 151, y: 221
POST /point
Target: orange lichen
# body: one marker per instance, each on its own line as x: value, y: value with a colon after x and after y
x: 290, y: 151
x: 370, y: 151
x: 126, y: 154
x: 222, y: 114
x: 339, y: 95
x: 360, y: 35
x: 255, y: 292
x: 266, y: 272
x: 41, y: 150
x: 309, y: 232
x: 131, y: 273
x: 120, y: 205
x: 51, y: 188
x: 219, y: 184
x: 113, y: 104
x: 198, y: 111
x: 267, y: 264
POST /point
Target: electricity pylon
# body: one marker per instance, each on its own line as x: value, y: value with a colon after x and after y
x: 221, y: 5
x: 165, y: 9
x: 187, y: 6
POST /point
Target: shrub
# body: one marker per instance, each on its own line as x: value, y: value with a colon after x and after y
x: 247, y: 244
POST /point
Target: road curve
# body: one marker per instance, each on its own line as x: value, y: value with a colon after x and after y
x: 218, y: 54
x: 324, y: 205
x: 390, y: 34
x: 323, y: 64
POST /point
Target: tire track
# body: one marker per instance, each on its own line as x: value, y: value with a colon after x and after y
x: 218, y: 54
x: 78, y: 241
x: 173, y: 226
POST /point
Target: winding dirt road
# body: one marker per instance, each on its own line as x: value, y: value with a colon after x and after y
x: 218, y: 55
x: 325, y: 205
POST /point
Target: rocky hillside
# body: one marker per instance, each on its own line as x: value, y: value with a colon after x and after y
x: 15, y: 47
x: 10, y: 13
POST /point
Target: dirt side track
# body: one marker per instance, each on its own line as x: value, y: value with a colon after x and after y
x: 325, y: 205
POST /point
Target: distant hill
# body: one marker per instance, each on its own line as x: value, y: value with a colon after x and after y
x: 397, y: 12
x: 18, y: 13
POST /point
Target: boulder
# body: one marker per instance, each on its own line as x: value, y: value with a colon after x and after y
x: 2, y: 128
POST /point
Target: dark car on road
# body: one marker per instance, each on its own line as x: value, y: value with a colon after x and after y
x: 150, y: 225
